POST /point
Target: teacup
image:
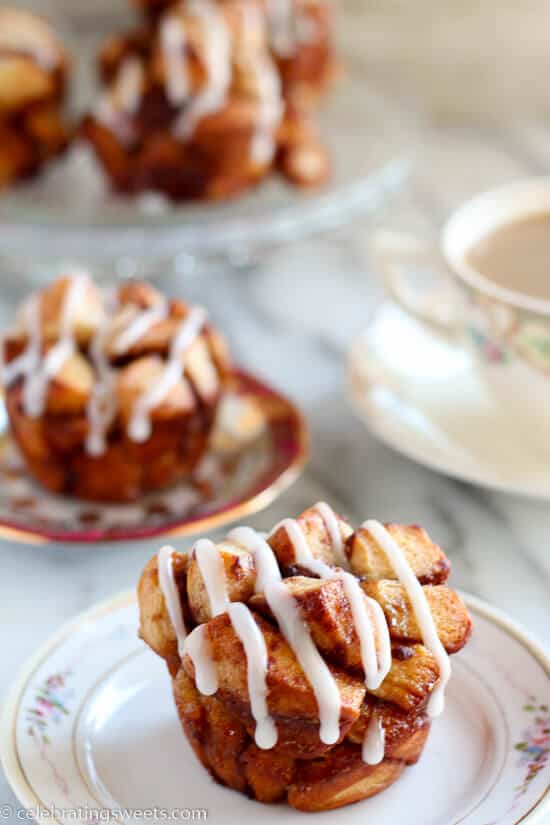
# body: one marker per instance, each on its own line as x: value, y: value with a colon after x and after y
x: 507, y: 331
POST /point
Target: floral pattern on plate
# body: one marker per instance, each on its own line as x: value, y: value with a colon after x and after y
x: 102, y: 693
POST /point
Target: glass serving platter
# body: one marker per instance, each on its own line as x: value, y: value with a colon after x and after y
x: 68, y: 214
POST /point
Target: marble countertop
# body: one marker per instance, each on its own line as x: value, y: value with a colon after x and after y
x: 293, y: 319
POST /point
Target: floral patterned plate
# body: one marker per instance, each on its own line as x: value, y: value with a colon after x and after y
x: 425, y: 401
x: 258, y: 449
x: 90, y: 731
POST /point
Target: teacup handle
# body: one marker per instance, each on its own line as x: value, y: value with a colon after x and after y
x: 404, y: 260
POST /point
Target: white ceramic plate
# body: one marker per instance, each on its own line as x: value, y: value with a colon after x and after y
x: 91, y: 725
x: 421, y: 396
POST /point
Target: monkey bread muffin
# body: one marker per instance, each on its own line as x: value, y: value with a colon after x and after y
x: 211, y: 95
x: 111, y: 394
x: 306, y: 665
x: 33, y: 76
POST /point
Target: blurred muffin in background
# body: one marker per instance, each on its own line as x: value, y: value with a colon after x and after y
x: 33, y: 76
x: 209, y: 97
x: 111, y: 394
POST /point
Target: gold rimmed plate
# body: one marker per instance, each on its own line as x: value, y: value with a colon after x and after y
x: 259, y: 447
x: 90, y: 730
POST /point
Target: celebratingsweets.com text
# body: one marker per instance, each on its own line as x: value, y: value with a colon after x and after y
x: 88, y: 814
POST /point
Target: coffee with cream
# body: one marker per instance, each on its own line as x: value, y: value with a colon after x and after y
x: 516, y: 255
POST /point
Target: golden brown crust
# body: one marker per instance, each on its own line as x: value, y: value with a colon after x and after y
x: 452, y: 622
x: 216, y: 735
x: 268, y: 773
x: 428, y: 562
x: 342, y: 778
x: 412, y: 677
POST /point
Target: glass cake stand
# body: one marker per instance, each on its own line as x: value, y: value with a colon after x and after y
x: 69, y: 215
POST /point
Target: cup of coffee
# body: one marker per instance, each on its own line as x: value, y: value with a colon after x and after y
x: 486, y: 284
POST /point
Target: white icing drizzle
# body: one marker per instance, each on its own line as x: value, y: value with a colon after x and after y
x: 333, y: 527
x: 103, y: 404
x: 173, y: 40
x: 288, y: 616
x: 129, y: 86
x: 197, y: 647
x: 217, y: 59
x: 257, y: 665
x: 368, y: 617
x: 139, y: 426
x: 167, y: 582
x: 281, y: 22
x: 370, y: 626
x: 374, y: 741
x: 267, y: 569
x: 296, y: 633
x: 44, y: 369
x: 122, y: 100
x: 271, y: 110
x: 267, y: 84
x: 212, y: 571
x: 302, y: 553
x: 140, y: 326
x: 420, y: 608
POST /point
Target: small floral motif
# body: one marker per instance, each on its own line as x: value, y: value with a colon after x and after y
x: 535, y: 745
x: 50, y: 706
x: 489, y: 349
x: 532, y: 341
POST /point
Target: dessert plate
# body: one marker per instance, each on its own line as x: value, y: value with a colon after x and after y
x: 420, y: 395
x: 90, y: 725
x: 259, y: 446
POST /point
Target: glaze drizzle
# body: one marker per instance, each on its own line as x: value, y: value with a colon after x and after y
x: 420, y: 608
x: 37, y: 369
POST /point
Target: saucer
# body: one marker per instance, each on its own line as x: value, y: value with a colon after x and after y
x: 420, y: 395
x: 258, y: 448
x: 90, y: 725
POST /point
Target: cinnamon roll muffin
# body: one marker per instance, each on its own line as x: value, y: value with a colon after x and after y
x: 33, y: 74
x: 306, y: 665
x: 209, y: 99
x: 111, y: 394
